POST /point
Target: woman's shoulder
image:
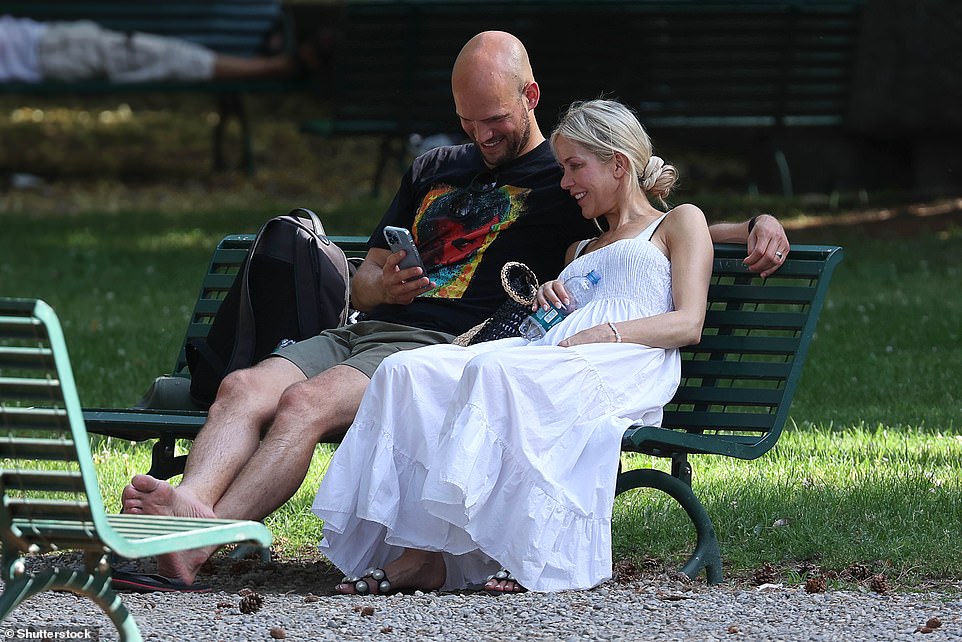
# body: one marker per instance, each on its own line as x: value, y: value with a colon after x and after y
x: 685, y: 210
x: 685, y: 216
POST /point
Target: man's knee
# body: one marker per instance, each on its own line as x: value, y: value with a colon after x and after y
x: 323, y: 405
x: 259, y: 386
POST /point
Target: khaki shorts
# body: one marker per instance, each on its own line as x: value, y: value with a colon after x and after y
x: 363, y: 346
x: 83, y: 50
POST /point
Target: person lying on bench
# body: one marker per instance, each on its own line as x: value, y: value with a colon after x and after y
x: 499, y: 460
x: 471, y: 208
x: 34, y: 52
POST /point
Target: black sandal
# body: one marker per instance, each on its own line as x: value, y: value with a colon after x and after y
x: 363, y: 587
x: 504, y: 575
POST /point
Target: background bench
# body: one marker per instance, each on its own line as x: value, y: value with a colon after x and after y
x: 235, y: 27
x: 716, y: 75
x: 51, y: 499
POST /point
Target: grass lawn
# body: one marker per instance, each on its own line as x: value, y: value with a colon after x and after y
x: 868, y: 474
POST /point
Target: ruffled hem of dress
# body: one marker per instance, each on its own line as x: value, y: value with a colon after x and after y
x: 519, y: 520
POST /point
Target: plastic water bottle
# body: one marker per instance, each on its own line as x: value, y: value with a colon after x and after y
x: 579, y: 289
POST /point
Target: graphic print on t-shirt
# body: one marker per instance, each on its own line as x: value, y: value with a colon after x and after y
x: 455, y: 225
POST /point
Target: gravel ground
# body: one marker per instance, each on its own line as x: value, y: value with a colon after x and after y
x: 297, y: 604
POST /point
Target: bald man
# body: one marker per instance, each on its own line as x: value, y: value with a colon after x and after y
x: 470, y: 208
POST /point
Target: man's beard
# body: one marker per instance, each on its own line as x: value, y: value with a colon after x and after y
x: 515, y: 146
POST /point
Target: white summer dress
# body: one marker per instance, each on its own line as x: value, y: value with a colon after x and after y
x: 504, y: 453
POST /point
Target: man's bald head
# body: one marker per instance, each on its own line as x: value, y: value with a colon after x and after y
x: 495, y: 95
x: 493, y: 57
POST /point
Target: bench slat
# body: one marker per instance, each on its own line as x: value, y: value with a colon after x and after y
x: 717, y: 369
x: 34, y: 419
x: 31, y: 448
x: 48, y: 509
x: 754, y: 320
x: 32, y: 389
x: 731, y: 293
x: 43, y: 480
x: 18, y: 357
x: 745, y: 345
x: 708, y: 420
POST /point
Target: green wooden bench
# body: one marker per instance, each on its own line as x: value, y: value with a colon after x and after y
x: 51, y: 499
x: 170, y: 415
x: 737, y: 383
x: 734, y: 75
x: 235, y: 27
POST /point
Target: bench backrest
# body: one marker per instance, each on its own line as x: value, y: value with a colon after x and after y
x: 49, y: 484
x: 235, y: 27
x: 738, y: 383
x: 224, y: 265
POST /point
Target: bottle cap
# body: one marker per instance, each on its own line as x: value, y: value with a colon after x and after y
x: 593, y: 276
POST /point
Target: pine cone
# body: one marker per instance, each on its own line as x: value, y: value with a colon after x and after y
x: 815, y: 584
x: 251, y: 603
x: 767, y: 574
x: 859, y: 572
x: 880, y: 584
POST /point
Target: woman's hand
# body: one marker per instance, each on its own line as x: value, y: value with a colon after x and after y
x: 596, y: 334
x: 551, y: 294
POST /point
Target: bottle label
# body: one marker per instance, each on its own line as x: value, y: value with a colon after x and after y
x: 549, y: 318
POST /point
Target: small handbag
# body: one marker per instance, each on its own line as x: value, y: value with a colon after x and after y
x: 521, y: 285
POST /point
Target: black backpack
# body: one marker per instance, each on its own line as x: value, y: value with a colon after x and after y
x: 293, y: 284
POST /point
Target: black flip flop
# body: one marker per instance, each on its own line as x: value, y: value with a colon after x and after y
x: 151, y: 582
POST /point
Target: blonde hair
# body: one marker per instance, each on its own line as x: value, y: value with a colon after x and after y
x: 606, y: 127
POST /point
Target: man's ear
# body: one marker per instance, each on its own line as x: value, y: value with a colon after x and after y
x: 532, y: 94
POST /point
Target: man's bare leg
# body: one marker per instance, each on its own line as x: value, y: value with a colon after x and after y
x: 315, y: 410
x: 308, y: 411
x: 245, y: 406
x: 246, y: 402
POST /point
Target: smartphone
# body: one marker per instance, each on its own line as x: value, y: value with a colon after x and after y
x: 399, y: 238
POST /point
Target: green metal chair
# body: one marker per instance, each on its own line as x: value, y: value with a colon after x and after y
x: 51, y: 499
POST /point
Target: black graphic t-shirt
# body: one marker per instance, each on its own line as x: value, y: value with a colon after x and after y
x: 468, y: 221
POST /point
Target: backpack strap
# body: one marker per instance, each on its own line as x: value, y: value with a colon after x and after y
x: 302, y: 261
x: 303, y: 212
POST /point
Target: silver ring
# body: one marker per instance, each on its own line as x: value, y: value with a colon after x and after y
x: 778, y: 254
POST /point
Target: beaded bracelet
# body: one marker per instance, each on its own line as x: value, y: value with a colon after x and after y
x: 615, y: 330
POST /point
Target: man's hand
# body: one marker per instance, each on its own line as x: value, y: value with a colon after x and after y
x: 401, y: 287
x: 767, y: 246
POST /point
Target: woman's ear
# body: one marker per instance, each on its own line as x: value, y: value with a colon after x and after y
x: 620, y: 164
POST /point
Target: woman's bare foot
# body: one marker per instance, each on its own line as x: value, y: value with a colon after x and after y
x: 503, y: 582
x: 146, y: 495
x: 423, y: 570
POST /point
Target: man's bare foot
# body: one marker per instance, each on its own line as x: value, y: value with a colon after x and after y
x: 503, y: 582
x: 146, y: 495
x: 423, y: 570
